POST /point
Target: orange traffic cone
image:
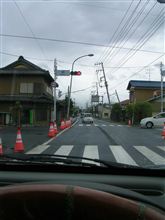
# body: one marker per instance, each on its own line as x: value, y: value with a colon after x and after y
x: 66, y: 124
x: 1, y: 149
x: 55, y: 128
x: 51, y: 132
x: 163, y: 132
x: 62, y: 126
x: 19, y: 146
x: 129, y: 123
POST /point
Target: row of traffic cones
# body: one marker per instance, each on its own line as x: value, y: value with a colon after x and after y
x: 18, y: 147
x: 65, y: 124
x: 53, y: 131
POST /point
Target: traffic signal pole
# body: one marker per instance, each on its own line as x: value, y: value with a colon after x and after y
x: 71, y: 79
x: 55, y: 72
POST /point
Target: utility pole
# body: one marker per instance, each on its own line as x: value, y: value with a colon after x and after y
x: 117, y: 96
x: 55, y: 72
x: 161, y: 73
x: 97, y: 88
x: 105, y: 82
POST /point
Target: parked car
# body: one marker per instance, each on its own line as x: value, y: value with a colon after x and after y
x: 154, y: 121
x: 87, y: 118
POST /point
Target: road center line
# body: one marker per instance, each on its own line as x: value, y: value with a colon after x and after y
x: 121, y: 155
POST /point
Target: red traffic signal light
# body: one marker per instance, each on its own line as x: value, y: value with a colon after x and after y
x: 75, y: 73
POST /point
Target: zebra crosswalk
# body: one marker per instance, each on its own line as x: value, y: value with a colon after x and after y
x: 101, y: 125
x: 120, y: 154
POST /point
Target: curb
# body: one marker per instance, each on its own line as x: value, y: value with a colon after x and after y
x: 53, y: 138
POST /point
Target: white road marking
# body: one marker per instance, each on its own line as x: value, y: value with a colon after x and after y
x: 111, y: 125
x: 88, y: 125
x: 120, y: 125
x: 80, y: 125
x: 121, y: 155
x: 64, y: 150
x: 96, y: 125
x: 161, y: 147
x: 151, y: 155
x: 38, y: 150
x: 103, y: 125
x: 91, y: 151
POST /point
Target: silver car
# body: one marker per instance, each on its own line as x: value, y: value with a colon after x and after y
x: 87, y: 118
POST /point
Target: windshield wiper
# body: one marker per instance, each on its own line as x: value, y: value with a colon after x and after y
x: 160, y: 166
x: 68, y: 160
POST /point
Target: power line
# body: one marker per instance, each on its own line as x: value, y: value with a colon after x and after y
x: 148, y: 34
x: 123, y: 30
x: 106, y: 49
x: 136, y: 73
x: 126, y: 38
x: 30, y: 29
x: 60, y: 61
x: 71, y: 42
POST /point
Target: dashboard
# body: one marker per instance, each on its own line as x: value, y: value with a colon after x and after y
x: 145, y: 189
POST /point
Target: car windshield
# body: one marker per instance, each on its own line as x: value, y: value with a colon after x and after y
x: 80, y: 82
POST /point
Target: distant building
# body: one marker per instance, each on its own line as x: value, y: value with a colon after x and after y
x: 124, y: 103
x: 141, y: 91
x: 103, y: 111
x: 25, y: 86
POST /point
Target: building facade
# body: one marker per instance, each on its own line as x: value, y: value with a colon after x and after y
x: 146, y: 91
x: 26, y: 95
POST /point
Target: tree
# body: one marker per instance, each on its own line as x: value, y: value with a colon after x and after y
x: 136, y: 112
x: 116, y: 113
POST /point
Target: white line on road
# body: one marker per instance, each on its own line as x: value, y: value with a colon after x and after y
x: 161, y: 147
x: 91, y: 151
x: 151, y: 155
x: 80, y: 125
x: 121, y: 155
x: 96, y: 125
x: 88, y: 125
x: 38, y: 150
x: 103, y: 125
x: 120, y: 125
x: 111, y: 125
x: 64, y: 150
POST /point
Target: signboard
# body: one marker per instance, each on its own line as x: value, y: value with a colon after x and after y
x: 63, y: 73
x: 95, y: 98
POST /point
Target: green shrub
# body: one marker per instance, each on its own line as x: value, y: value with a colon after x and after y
x: 116, y: 113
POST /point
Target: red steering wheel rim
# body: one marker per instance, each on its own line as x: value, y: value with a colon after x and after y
x: 50, y: 201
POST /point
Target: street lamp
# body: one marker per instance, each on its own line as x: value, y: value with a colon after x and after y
x: 70, y: 88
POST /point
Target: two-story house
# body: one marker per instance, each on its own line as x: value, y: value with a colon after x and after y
x: 142, y: 90
x: 25, y: 88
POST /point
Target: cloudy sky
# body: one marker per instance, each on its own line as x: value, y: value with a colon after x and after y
x: 128, y: 36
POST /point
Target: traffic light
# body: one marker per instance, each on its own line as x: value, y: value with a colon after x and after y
x: 75, y: 73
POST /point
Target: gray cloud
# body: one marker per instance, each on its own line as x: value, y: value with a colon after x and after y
x: 87, y: 21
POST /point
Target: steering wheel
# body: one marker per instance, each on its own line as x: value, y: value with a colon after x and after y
x: 50, y: 201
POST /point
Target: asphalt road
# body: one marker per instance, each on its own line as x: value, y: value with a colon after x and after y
x: 107, y: 141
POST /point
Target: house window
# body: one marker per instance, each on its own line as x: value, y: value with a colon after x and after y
x: 26, y: 88
x: 105, y: 114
